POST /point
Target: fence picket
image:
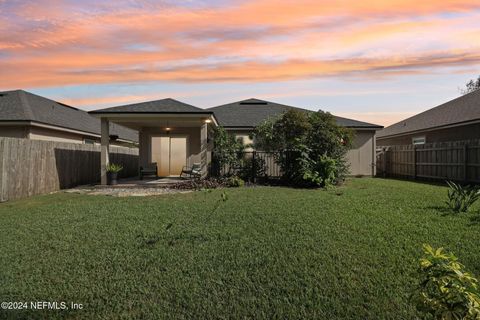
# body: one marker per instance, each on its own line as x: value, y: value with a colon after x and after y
x: 459, y: 161
x: 29, y: 167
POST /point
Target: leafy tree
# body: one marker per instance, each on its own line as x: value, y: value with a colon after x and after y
x: 226, y: 149
x: 313, y: 146
x: 471, y: 86
x: 282, y: 133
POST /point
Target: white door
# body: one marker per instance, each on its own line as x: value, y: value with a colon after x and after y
x: 170, y: 154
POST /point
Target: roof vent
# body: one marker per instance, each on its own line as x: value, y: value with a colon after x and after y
x: 254, y: 103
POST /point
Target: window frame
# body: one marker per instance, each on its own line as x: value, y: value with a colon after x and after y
x: 419, y: 138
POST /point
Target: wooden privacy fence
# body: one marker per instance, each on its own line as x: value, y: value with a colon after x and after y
x: 459, y: 161
x: 29, y: 167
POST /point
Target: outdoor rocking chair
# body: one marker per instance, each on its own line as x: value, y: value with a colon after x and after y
x: 194, y: 171
x: 148, y: 170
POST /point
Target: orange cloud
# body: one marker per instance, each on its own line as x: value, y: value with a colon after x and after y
x: 50, y: 44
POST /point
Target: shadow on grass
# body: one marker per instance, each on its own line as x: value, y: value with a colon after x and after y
x: 443, y: 210
x: 475, y: 219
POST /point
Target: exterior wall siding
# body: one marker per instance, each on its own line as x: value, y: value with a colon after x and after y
x: 45, y: 134
x: 193, y: 143
x: 36, y: 133
x: 460, y: 133
x: 361, y: 157
x: 14, y: 131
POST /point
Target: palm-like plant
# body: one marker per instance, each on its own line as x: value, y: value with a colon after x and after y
x: 114, y: 167
x: 461, y: 198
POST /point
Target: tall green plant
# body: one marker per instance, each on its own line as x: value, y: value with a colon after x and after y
x: 227, y: 150
x: 445, y: 290
x: 313, y: 146
x: 461, y: 198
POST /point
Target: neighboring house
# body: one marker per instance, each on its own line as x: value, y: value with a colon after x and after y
x: 241, y: 117
x: 174, y: 134
x: 26, y: 115
x: 455, y: 120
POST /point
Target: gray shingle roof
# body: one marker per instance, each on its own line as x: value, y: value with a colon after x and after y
x: 460, y: 110
x: 251, y: 112
x: 19, y: 105
x: 158, y: 106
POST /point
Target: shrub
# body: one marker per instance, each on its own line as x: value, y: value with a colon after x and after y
x: 227, y: 150
x: 114, y: 167
x: 313, y: 145
x: 446, y: 291
x: 460, y: 198
x: 235, y: 182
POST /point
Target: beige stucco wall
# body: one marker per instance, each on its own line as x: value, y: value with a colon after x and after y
x: 193, y: 143
x: 14, y: 131
x: 361, y: 157
x: 466, y: 132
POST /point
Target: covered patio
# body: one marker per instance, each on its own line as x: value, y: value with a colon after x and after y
x: 172, y: 134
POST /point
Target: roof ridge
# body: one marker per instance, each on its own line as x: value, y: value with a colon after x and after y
x: 188, y: 104
x: 150, y: 101
x: 27, y: 108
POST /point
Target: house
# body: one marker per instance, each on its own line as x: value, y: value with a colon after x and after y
x: 456, y: 120
x: 29, y: 116
x: 174, y: 134
x: 241, y: 117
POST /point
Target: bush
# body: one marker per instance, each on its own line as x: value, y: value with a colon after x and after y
x: 446, y: 291
x: 235, y: 182
x: 312, y: 147
x: 227, y: 150
x: 460, y: 199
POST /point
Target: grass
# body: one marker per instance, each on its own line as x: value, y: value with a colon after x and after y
x: 264, y: 253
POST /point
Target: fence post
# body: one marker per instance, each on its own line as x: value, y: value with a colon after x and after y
x: 253, y: 166
x: 384, y: 162
x: 465, y: 162
x: 415, y: 162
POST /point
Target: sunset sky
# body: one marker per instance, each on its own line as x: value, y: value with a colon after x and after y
x: 374, y: 60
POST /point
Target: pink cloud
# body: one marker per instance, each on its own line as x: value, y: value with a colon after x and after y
x: 51, y: 43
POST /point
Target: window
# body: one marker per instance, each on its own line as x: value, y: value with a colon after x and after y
x: 418, y: 140
x: 88, y: 141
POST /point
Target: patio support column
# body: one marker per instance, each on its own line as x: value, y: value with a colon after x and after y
x: 374, y: 154
x: 105, y: 140
x: 204, y: 147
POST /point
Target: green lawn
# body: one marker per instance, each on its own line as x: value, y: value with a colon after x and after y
x: 266, y: 252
